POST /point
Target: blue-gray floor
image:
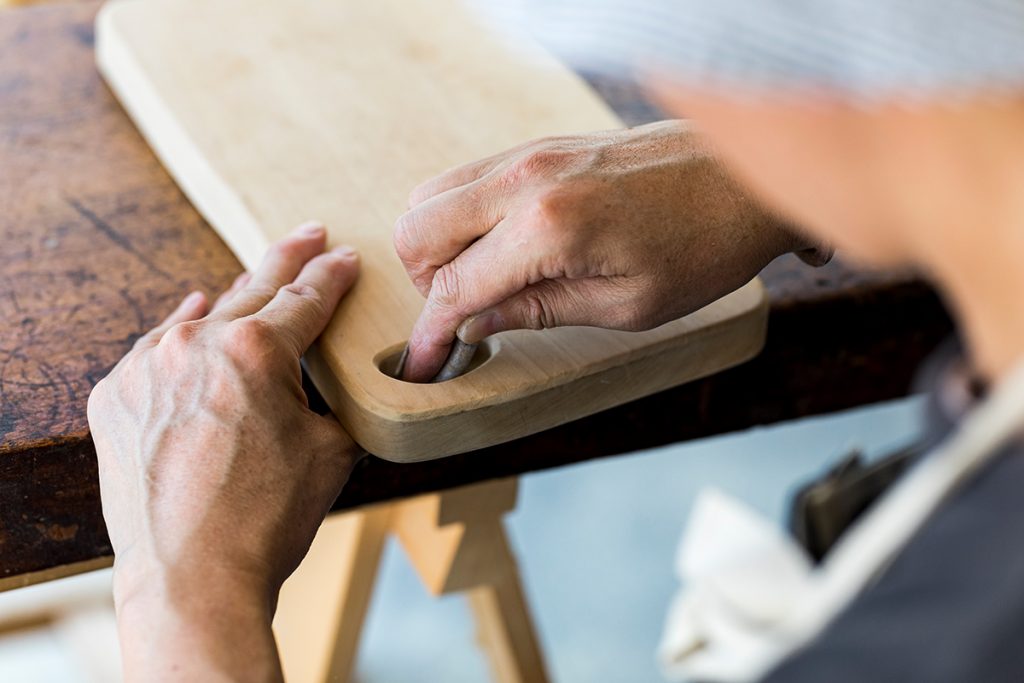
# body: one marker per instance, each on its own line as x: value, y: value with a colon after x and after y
x: 595, y: 544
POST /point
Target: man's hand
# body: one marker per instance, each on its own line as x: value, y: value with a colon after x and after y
x: 623, y: 229
x: 214, y: 473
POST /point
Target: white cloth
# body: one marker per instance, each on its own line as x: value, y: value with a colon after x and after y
x: 742, y: 575
x: 751, y: 596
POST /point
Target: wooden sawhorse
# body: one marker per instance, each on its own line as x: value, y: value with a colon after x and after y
x: 456, y: 541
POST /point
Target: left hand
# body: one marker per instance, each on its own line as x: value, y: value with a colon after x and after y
x: 214, y: 473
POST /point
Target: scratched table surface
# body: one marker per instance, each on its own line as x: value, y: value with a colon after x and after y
x: 97, y: 244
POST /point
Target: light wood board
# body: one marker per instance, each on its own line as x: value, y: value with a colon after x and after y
x: 269, y: 113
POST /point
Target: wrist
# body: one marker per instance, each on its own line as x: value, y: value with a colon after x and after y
x: 185, y: 587
x: 178, y: 625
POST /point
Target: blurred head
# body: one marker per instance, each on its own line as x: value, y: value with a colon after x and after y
x: 862, y: 120
x: 887, y: 183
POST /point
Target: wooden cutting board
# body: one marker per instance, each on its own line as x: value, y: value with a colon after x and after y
x: 269, y: 113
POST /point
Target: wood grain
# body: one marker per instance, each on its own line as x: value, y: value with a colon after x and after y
x: 838, y: 337
x: 336, y: 112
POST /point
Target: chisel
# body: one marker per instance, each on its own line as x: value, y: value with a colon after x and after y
x: 459, y: 360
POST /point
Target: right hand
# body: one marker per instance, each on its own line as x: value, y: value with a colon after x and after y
x: 623, y: 229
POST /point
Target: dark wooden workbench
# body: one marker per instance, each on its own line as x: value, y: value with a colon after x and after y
x: 97, y: 244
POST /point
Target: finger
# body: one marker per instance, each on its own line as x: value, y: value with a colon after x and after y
x: 337, y: 444
x: 241, y: 281
x: 467, y: 173
x: 337, y: 455
x: 455, y: 177
x: 300, y: 311
x: 280, y: 266
x: 440, y: 228
x: 192, y: 307
x: 488, y: 272
x: 594, y: 302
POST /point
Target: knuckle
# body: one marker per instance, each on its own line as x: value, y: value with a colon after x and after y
x: 251, y: 338
x: 309, y: 297
x: 419, y: 270
x: 541, y: 159
x: 538, y: 314
x: 300, y: 290
x: 446, y: 287
x: 182, y: 335
x: 544, y: 158
x: 405, y: 237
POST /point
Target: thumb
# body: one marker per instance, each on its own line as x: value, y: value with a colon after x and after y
x: 594, y: 302
x: 336, y: 454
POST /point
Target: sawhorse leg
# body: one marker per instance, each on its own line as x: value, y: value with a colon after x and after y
x: 456, y: 541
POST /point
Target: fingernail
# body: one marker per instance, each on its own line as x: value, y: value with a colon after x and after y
x: 474, y: 329
x: 311, y: 229
x: 345, y: 250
